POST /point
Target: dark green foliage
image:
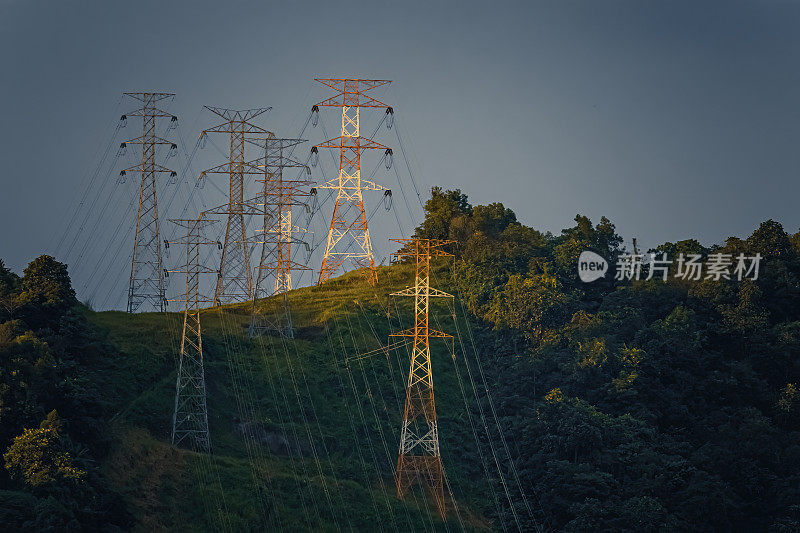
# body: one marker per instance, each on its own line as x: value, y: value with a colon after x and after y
x: 8, y: 293
x: 444, y: 211
x: 627, y: 406
x: 27, y: 376
x: 50, y: 414
x: 40, y: 457
x: 16, y: 508
x: 640, y: 406
x: 45, y: 292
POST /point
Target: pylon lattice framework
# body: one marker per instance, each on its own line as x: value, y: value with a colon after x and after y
x: 349, y: 218
x: 419, y: 459
x: 190, y: 417
x: 235, y: 278
x: 147, y: 271
x: 277, y: 233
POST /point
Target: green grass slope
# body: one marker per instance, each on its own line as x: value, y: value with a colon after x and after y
x: 304, y: 432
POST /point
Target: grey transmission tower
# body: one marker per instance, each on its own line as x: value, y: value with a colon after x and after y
x: 274, y: 271
x: 147, y: 271
x: 235, y: 279
x: 190, y: 418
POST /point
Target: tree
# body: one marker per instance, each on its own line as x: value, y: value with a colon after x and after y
x: 770, y: 240
x: 28, y: 377
x: 493, y: 219
x: 38, y: 456
x: 46, y: 292
x: 440, y: 210
x: 530, y: 305
x: 9, y: 283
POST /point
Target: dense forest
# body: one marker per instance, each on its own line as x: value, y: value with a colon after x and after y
x: 643, y: 405
x: 628, y: 405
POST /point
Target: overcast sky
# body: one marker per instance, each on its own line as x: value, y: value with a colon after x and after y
x: 674, y: 119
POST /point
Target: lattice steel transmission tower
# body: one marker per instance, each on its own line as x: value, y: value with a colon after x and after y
x: 147, y: 271
x: 235, y: 279
x: 349, y: 219
x: 190, y: 418
x: 277, y: 233
x: 419, y: 459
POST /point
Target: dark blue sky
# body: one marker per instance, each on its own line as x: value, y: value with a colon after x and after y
x: 674, y: 119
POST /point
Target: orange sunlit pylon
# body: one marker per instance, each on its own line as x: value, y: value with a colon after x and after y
x: 419, y: 459
x: 348, y: 227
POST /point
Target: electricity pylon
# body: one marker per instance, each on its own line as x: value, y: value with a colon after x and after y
x: 235, y: 279
x: 419, y: 459
x: 277, y: 233
x: 190, y: 418
x: 349, y: 218
x: 147, y: 271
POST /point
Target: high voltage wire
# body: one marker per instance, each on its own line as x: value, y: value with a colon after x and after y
x: 494, y: 412
x: 77, y: 205
x: 240, y: 369
x: 461, y: 383
x: 397, y: 393
x: 355, y: 431
x: 92, y: 240
x: 121, y: 245
x: 371, y: 398
x: 295, y: 443
x: 246, y: 405
x: 88, y: 247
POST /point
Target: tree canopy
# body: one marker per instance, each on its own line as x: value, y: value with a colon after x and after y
x: 636, y: 405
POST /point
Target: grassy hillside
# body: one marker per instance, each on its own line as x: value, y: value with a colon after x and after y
x: 658, y: 405
x: 301, y: 438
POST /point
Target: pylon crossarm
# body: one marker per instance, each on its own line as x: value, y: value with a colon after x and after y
x: 199, y: 223
x: 145, y: 139
x: 234, y: 115
x: 286, y: 199
x: 276, y: 143
x: 342, y: 99
x: 371, y: 186
x: 410, y: 333
x: 150, y: 113
x: 246, y: 209
x: 436, y: 293
x: 341, y: 184
x: 149, y: 97
x: 151, y: 168
x: 353, y: 143
x: 409, y: 291
x: 265, y: 165
x: 362, y: 86
x: 245, y: 129
x: 412, y: 291
x: 245, y: 168
x: 275, y: 264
